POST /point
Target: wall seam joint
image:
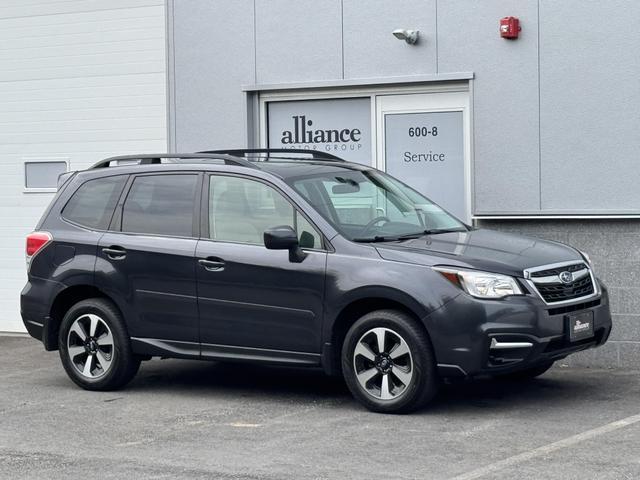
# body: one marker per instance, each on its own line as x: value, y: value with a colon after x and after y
x: 255, y: 43
x: 342, y: 34
x: 539, y: 115
x: 436, y: 42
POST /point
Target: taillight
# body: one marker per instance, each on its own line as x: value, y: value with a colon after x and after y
x: 36, y: 241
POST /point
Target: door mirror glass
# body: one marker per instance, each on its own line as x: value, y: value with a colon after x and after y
x: 280, y: 238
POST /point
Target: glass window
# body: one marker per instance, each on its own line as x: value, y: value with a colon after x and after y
x: 307, y: 234
x: 92, y: 204
x: 369, y: 205
x: 43, y: 174
x: 352, y: 205
x: 161, y: 205
x: 240, y: 210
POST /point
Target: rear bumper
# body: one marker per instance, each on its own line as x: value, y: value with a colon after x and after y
x: 34, y: 327
x: 35, y: 306
x: 524, y: 332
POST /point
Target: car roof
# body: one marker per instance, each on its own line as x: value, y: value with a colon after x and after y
x: 280, y: 162
x: 288, y: 169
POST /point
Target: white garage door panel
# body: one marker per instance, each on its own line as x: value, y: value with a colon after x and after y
x: 142, y: 66
x: 90, y: 124
x: 87, y: 153
x: 44, y: 8
x: 87, y: 102
x: 80, y: 80
x: 39, y: 98
x: 69, y: 63
x: 88, y: 135
x: 48, y: 54
x: 101, y: 25
x: 85, y: 29
x: 108, y: 114
x: 61, y: 88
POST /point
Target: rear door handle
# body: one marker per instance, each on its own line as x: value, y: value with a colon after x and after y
x: 212, y: 265
x: 115, y: 253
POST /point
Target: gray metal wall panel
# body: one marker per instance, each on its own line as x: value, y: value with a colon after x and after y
x: 505, y: 98
x: 370, y: 50
x: 590, y: 105
x: 214, y: 56
x: 298, y: 40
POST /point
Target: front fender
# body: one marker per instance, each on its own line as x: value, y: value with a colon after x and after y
x: 350, y: 279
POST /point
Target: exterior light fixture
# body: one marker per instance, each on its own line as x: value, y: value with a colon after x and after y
x: 409, y: 36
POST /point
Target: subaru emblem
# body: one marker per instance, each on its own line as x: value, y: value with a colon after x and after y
x: 566, y: 277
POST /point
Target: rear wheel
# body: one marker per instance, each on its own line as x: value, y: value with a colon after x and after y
x: 95, y: 348
x: 388, y: 362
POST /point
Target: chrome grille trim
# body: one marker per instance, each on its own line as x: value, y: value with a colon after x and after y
x: 556, y: 278
x: 531, y: 281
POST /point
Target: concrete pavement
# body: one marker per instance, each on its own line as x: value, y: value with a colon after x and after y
x: 192, y: 419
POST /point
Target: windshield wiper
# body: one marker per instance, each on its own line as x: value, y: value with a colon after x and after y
x: 431, y: 231
x: 406, y: 236
x: 377, y: 238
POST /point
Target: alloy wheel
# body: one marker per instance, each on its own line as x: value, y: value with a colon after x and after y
x: 90, y: 346
x: 383, y: 364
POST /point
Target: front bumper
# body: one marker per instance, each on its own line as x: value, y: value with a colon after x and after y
x: 463, y: 331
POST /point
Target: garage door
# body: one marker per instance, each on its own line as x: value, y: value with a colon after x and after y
x: 81, y: 80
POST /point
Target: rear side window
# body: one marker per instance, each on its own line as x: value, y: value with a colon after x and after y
x: 93, y: 203
x: 160, y: 205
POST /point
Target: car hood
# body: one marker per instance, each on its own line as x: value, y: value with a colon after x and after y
x: 479, y: 249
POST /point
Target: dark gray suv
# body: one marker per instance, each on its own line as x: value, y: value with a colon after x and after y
x: 295, y: 258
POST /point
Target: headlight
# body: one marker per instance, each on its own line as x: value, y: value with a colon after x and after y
x: 481, y: 284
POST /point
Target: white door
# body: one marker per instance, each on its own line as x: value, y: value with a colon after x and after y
x: 424, y: 141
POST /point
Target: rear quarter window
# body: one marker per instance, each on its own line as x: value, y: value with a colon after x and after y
x: 93, y: 202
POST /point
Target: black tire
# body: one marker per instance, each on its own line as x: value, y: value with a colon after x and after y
x: 528, y: 374
x: 424, y: 382
x: 123, y: 365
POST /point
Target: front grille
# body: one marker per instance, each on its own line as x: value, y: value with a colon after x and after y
x: 548, y: 282
x: 557, y: 271
x: 559, y: 292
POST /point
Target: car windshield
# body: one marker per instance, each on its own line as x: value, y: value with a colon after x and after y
x: 370, y: 206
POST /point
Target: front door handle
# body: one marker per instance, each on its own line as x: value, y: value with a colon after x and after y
x: 212, y: 265
x: 115, y: 253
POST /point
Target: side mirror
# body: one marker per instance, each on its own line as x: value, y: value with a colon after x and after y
x: 284, y: 238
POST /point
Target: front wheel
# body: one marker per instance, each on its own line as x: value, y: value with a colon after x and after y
x: 388, y: 362
x: 94, y: 345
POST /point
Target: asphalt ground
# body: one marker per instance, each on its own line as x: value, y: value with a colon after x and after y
x: 189, y: 419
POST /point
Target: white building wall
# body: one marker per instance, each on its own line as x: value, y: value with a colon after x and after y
x: 79, y: 80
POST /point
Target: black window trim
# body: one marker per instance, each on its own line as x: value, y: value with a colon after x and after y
x: 115, y: 208
x: 116, y: 219
x: 206, y: 188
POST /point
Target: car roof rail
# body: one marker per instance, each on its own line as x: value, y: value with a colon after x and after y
x: 156, y: 158
x: 314, y: 154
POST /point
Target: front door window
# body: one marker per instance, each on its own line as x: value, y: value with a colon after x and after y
x: 241, y: 209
